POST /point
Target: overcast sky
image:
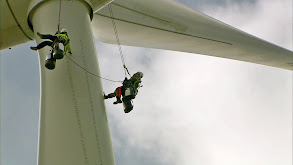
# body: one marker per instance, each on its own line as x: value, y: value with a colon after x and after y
x: 193, y: 109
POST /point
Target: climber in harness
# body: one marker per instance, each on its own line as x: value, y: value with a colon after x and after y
x: 56, y: 52
x: 128, y: 91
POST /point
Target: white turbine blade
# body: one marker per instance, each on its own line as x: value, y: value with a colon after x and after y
x: 166, y: 24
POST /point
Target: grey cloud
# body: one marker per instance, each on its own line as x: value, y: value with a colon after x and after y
x: 267, y: 19
x: 193, y: 108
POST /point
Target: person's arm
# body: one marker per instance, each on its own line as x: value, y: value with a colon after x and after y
x: 136, y: 84
x: 67, y: 47
x: 66, y: 42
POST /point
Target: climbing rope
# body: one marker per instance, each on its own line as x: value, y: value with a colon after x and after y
x: 118, y: 41
x: 59, y: 16
x: 91, y: 72
x: 80, y: 65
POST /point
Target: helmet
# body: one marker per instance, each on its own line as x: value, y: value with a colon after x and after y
x: 137, y: 75
x: 140, y: 74
x: 64, y: 31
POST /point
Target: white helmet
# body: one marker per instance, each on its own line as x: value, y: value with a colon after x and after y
x: 63, y: 31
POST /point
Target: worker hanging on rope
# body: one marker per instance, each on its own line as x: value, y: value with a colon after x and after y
x: 59, y: 37
x: 56, y: 52
x: 128, y: 90
x: 130, y: 87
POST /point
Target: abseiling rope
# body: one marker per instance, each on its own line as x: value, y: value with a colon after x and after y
x: 118, y: 41
x: 89, y: 71
x: 73, y: 60
x: 59, y: 16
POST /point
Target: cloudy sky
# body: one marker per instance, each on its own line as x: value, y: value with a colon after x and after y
x: 193, y: 109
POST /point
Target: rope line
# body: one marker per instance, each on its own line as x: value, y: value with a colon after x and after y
x: 122, y: 58
x: 118, y: 41
x: 89, y: 71
x: 59, y: 16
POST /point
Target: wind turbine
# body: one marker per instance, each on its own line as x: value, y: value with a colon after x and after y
x: 74, y: 125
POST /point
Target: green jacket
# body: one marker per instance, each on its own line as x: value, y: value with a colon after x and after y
x: 63, y: 38
x: 135, y: 83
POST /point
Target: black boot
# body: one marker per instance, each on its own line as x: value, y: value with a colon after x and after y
x: 118, y: 100
x: 109, y: 95
x: 34, y: 48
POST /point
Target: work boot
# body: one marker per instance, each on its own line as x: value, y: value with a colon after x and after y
x: 109, y: 95
x: 118, y: 100
x: 34, y: 48
x: 105, y: 96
